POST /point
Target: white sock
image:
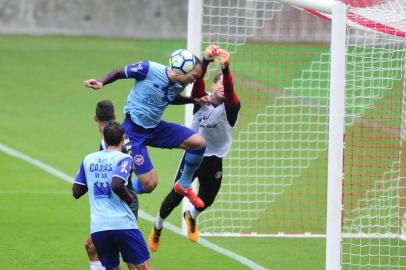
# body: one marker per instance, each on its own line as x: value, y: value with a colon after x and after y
x: 194, y: 213
x: 96, y: 265
x: 159, y: 222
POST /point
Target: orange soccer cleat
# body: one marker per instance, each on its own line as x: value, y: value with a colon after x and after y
x: 190, y: 194
x: 192, y: 229
x: 153, y: 238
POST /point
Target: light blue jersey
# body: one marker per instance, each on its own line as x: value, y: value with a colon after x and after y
x: 107, y: 210
x: 150, y: 94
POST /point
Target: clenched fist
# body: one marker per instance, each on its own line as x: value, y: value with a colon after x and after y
x: 93, y: 83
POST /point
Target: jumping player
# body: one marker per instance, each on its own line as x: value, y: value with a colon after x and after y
x: 155, y: 87
x: 214, y: 122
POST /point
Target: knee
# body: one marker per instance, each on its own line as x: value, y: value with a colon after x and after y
x: 195, y: 142
x: 149, y: 187
x: 150, y: 184
x: 200, y: 142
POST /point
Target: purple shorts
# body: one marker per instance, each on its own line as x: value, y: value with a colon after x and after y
x: 164, y: 135
x: 130, y: 243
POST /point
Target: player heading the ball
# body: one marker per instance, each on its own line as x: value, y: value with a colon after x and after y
x: 155, y: 87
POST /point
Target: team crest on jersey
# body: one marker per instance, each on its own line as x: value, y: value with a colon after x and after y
x: 218, y: 175
x: 139, y: 159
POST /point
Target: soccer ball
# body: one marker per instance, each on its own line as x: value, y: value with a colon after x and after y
x: 182, y: 61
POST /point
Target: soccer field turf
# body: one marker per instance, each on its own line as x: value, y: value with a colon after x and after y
x: 46, y: 114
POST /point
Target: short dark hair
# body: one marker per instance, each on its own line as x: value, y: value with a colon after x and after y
x: 105, y: 110
x: 217, y: 77
x: 113, y: 133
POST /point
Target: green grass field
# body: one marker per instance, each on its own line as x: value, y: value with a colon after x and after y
x: 46, y: 114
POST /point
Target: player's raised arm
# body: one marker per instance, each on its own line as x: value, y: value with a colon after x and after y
x: 199, y: 88
x: 232, y: 104
x: 110, y: 77
x: 229, y: 93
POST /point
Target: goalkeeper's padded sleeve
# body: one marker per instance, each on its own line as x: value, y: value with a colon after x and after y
x: 229, y: 93
x: 198, y: 89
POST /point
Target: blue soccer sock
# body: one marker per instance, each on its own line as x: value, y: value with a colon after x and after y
x: 137, y: 185
x: 193, y: 159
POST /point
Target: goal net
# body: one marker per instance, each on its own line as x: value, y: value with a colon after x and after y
x: 374, y: 189
x: 275, y: 177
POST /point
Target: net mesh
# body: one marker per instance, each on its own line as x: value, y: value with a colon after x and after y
x: 275, y: 177
x: 374, y: 187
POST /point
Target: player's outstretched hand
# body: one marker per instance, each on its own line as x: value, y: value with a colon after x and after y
x: 211, y: 51
x: 93, y: 83
x: 205, y: 100
x: 224, y: 58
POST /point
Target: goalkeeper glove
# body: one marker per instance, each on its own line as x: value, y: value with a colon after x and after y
x: 210, y: 52
x: 224, y: 58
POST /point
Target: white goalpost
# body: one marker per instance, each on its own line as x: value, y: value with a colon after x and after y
x: 319, y: 147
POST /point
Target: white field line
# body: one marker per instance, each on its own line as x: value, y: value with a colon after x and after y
x: 51, y: 170
x: 10, y: 192
x: 57, y: 173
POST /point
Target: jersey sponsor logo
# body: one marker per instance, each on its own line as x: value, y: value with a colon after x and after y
x: 139, y: 159
x: 206, y: 116
x: 218, y: 175
x: 100, y: 167
x: 208, y: 126
x: 102, y: 190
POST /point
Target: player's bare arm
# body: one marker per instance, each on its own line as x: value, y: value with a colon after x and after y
x: 205, y: 100
x: 118, y: 186
x: 78, y: 190
x: 181, y: 100
x: 110, y: 77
